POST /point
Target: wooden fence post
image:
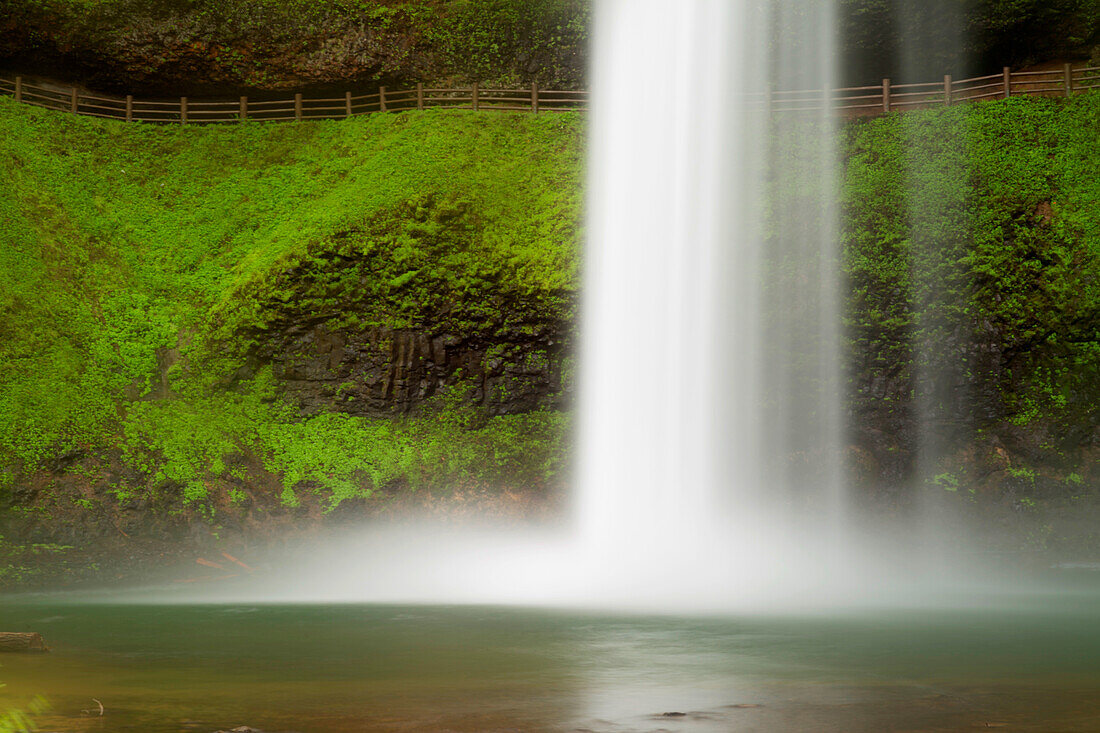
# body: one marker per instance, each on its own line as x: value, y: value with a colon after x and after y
x: 1069, y: 80
x: 475, y: 97
x: 18, y: 89
x: 183, y: 110
x: 886, y: 95
x: 298, y: 107
x: 382, y: 98
x: 74, y: 102
x: 535, y: 97
x: 947, y: 89
x: 420, y: 95
x: 243, y: 112
x: 129, y: 107
x: 347, y: 104
x: 1008, y: 82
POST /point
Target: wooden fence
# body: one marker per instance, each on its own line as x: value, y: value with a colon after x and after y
x: 889, y: 97
x: 850, y: 101
x: 299, y: 107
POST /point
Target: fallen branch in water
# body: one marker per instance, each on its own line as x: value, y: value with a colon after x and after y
x: 22, y: 642
x: 101, y: 709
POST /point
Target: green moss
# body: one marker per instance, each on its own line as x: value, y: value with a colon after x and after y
x: 121, y: 245
x: 484, y: 40
x: 187, y: 444
x: 977, y: 225
x: 424, y: 263
x: 20, y: 563
x: 946, y: 481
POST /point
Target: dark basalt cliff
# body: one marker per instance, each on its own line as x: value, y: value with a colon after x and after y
x: 382, y: 372
x: 354, y: 329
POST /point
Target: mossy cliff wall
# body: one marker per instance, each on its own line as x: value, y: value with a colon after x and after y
x: 263, y: 325
x: 204, y: 322
x: 972, y: 248
x: 373, y: 322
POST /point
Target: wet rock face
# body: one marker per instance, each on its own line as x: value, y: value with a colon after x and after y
x: 341, y: 329
x: 949, y: 411
x: 377, y: 320
x: 383, y: 371
x: 226, y: 47
x: 173, y: 49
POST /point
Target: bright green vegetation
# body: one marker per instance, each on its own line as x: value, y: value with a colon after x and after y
x: 188, y: 444
x: 973, y: 248
x: 120, y: 244
x: 970, y: 235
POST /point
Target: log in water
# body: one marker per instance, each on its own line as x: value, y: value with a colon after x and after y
x: 22, y: 642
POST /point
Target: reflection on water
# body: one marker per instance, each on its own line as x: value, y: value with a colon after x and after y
x: 1033, y: 666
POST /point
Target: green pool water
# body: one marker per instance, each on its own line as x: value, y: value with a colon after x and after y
x: 1030, y: 663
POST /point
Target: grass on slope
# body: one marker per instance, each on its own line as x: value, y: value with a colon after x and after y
x: 119, y: 242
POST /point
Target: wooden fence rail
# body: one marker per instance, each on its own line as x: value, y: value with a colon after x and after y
x: 299, y: 107
x: 849, y: 101
x: 891, y: 97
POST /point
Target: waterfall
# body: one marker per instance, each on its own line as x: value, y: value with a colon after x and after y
x: 661, y: 198
x: 709, y: 427
x: 709, y: 366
